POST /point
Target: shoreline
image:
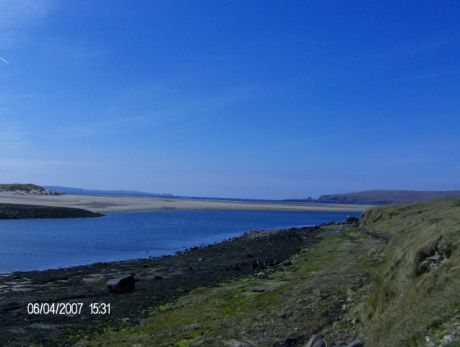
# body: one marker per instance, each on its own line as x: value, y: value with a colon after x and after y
x: 158, y: 280
x: 154, y: 257
x: 122, y: 204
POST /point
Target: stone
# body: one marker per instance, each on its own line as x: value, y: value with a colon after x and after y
x: 316, y: 340
x: 430, y: 257
x: 289, y: 342
x: 122, y: 284
x: 351, y: 220
x: 286, y: 263
x: 359, y: 342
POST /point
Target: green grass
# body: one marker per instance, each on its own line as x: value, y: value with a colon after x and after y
x: 165, y: 307
x: 249, y: 308
x: 399, y: 307
x: 403, y: 305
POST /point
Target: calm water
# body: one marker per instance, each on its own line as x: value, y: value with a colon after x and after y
x: 52, y: 243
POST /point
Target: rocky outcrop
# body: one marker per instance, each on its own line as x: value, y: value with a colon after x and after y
x: 430, y: 257
x: 17, y: 211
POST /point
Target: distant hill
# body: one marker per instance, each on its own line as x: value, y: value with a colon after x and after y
x: 26, y: 189
x: 81, y: 191
x: 388, y: 196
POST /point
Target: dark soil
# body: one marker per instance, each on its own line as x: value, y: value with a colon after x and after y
x: 158, y: 281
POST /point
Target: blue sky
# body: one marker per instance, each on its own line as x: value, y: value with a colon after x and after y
x: 261, y: 99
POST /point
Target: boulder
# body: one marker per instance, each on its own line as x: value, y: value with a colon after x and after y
x: 359, y: 342
x: 430, y: 257
x: 122, y: 284
x: 351, y: 220
x: 316, y: 340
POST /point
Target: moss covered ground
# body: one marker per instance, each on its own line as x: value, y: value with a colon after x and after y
x: 394, y: 280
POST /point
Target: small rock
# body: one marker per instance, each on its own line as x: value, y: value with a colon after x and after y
x: 316, y: 340
x: 258, y: 290
x: 359, y: 342
x: 289, y: 342
x: 122, y: 284
x: 286, y: 263
x: 261, y: 274
x: 286, y: 315
x: 447, y: 338
x: 351, y: 220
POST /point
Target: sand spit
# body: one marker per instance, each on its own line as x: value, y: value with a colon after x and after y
x: 107, y: 204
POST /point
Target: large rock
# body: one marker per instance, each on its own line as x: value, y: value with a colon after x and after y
x: 122, y: 284
x: 316, y: 340
x: 430, y: 257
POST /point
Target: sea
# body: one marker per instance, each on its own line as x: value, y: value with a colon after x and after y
x: 39, y: 244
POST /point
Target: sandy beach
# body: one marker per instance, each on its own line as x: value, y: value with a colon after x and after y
x: 108, y: 204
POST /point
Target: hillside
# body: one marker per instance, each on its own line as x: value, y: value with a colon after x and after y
x: 392, y: 280
x: 389, y: 196
x: 25, y: 189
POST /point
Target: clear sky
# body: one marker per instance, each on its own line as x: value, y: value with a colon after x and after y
x: 261, y: 99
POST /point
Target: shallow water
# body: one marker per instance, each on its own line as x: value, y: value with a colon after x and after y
x: 35, y: 244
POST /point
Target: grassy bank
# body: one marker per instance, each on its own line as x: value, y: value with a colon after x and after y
x: 394, y: 281
x: 416, y: 292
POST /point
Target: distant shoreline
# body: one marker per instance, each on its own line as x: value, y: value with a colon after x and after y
x: 120, y: 204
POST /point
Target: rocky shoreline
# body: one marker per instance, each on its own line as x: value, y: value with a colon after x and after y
x: 157, y: 281
x: 19, y: 211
